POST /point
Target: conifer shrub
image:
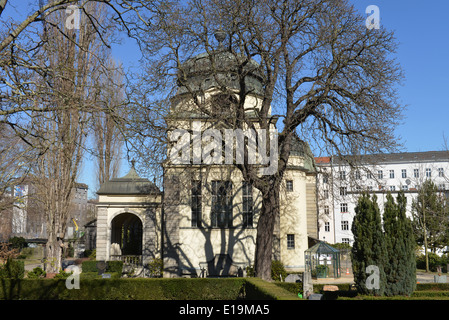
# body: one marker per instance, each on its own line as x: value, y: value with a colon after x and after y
x: 36, y: 273
x: 369, y: 248
x: 278, y: 272
x: 400, y: 267
x: 12, y: 269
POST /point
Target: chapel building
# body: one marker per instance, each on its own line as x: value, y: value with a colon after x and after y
x: 204, y: 221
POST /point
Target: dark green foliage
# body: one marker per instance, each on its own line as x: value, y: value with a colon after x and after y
x: 432, y: 286
x: 278, y: 272
x: 112, y: 266
x: 400, y: 268
x: 391, y: 250
x: 155, y: 268
x: 12, y: 269
x: 369, y: 245
x: 89, y: 266
x: 18, y: 243
x: 434, y: 261
x: 36, y: 273
x: 344, y: 290
x: 258, y: 289
x: 293, y: 287
x: 250, y: 271
x: 62, y: 274
x: 144, y: 289
x: 409, y: 246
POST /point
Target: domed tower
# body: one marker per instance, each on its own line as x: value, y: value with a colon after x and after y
x: 205, y: 197
x: 210, y: 83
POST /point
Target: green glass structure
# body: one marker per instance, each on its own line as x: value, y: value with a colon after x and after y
x: 323, y: 261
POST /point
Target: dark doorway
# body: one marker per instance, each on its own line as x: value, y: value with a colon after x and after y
x: 126, y: 230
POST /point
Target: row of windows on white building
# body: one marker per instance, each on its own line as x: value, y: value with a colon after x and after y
x: 335, y: 224
x: 391, y: 174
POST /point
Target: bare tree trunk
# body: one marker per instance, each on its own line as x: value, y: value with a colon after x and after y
x: 265, y: 233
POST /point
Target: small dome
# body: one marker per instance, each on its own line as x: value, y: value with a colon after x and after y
x: 131, y: 184
x: 202, y: 72
x: 301, y: 148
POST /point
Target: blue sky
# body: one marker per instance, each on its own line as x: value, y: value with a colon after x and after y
x: 422, y: 30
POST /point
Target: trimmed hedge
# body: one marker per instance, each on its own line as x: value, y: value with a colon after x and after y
x: 293, y: 287
x: 144, y: 289
x: 123, y: 289
x: 111, y: 266
x: 430, y: 294
x: 257, y: 289
x: 432, y: 287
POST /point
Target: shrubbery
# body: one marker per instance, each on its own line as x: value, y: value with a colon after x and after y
x: 12, y: 269
x: 111, y: 266
x: 36, y: 273
x: 278, y: 272
x: 434, y: 261
x: 155, y: 268
x: 145, y: 289
x: 18, y: 242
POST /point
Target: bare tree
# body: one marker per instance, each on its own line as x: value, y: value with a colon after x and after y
x: 107, y: 123
x: 60, y: 133
x: 324, y: 75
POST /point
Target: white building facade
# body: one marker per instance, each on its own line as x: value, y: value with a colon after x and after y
x: 339, y: 186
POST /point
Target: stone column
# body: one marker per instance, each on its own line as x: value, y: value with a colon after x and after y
x: 102, y: 233
x: 307, y: 285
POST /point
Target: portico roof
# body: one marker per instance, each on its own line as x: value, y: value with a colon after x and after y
x: 130, y: 184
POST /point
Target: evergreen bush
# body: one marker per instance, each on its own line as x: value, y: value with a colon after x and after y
x: 89, y: 266
x: 400, y: 267
x: 18, y: 242
x: 114, y: 267
x: 369, y: 246
x: 155, y: 268
x: 145, y: 289
x: 12, y: 269
x: 278, y: 272
x: 36, y: 273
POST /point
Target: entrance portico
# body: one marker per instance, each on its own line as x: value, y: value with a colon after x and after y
x: 128, y: 215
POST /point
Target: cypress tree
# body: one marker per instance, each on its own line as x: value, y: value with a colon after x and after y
x: 400, y: 267
x: 369, y: 246
x: 394, y: 247
x: 409, y: 259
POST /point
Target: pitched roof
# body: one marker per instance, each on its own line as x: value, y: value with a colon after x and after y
x: 402, y: 157
x: 130, y: 184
